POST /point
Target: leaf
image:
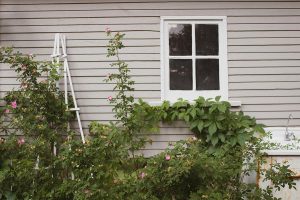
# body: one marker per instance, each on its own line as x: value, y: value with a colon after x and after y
x: 174, y: 115
x: 200, y: 126
x: 200, y: 111
x: 181, y: 115
x: 186, y: 118
x: 221, y: 137
x: 218, y: 98
x: 222, y: 108
x: 194, y: 124
x: 241, y: 139
x: 219, y: 125
x: 166, y: 105
x: 165, y: 115
x: 214, y: 140
x: 212, y: 129
x: 212, y: 108
x: 200, y: 100
x: 10, y: 196
x: 233, y: 141
x: 193, y: 113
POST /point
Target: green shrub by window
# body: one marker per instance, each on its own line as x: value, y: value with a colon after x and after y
x: 226, y: 147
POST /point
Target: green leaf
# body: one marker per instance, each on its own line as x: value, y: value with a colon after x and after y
x: 241, y: 139
x: 166, y: 105
x: 10, y: 196
x: 200, y: 112
x: 200, y: 100
x: 214, y: 140
x: 186, y: 118
x: 233, y: 141
x: 174, y: 115
x: 193, y: 113
x: 222, y: 108
x: 207, y: 123
x: 194, y: 124
x: 212, y: 108
x: 181, y: 115
x: 219, y: 125
x: 218, y: 98
x: 221, y: 137
x: 212, y: 129
x: 200, y: 126
x: 165, y: 115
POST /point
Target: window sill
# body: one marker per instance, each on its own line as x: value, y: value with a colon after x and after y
x: 232, y: 103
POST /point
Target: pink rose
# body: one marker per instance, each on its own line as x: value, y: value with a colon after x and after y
x: 13, y: 104
x: 21, y: 141
x: 110, y: 98
x: 6, y: 110
x: 107, y: 30
x: 142, y: 175
x: 168, y: 157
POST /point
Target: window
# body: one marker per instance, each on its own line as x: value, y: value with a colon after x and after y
x: 194, y: 57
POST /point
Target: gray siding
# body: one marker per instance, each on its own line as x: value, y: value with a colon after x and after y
x: 263, y: 50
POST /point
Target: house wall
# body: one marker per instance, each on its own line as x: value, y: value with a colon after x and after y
x: 263, y: 50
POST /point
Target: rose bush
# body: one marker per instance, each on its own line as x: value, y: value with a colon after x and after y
x: 41, y: 159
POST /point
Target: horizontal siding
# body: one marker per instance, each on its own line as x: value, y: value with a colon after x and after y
x: 263, y: 51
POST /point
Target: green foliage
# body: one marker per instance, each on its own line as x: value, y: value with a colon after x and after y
x: 37, y: 111
x: 123, y: 83
x: 211, y: 121
x: 37, y: 108
x: 226, y: 147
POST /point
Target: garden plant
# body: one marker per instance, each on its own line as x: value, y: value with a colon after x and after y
x: 40, y: 158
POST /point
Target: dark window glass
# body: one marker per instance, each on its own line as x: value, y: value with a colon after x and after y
x: 181, y: 74
x: 180, y: 39
x: 207, y: 74
x: 207, y: 39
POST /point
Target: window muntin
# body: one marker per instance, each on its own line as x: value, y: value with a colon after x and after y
x: 194, y: 58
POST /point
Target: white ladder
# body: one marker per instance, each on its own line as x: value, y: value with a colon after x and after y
x: 60, y: 41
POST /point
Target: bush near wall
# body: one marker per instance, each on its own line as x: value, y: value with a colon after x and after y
x: 48, y: 161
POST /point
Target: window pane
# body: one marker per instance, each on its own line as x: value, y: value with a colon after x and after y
x: 207, y: 74
x: 181, y: 77
x: 207, y: 39
x: 180, y: 39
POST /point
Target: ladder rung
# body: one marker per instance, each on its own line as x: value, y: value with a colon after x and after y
x: 74, y: 109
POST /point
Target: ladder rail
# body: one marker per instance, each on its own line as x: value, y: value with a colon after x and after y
x: 60, y: 40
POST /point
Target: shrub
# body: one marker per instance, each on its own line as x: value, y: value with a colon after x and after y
x: 49, y: 162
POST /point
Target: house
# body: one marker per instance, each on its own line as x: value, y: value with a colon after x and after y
x: 249, y: 51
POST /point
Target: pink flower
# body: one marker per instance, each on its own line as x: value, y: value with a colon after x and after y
x: 6, y: 110
x: 110, y: 98
x: 142, y: 175
x: 168, y: 157
x: 21, y: 141
x: 13, y: 104
x: 107, y: 30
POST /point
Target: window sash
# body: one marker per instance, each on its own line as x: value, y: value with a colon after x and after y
x: 173, y: 95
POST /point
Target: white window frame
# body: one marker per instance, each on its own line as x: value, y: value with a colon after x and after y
x: 173, y: 95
